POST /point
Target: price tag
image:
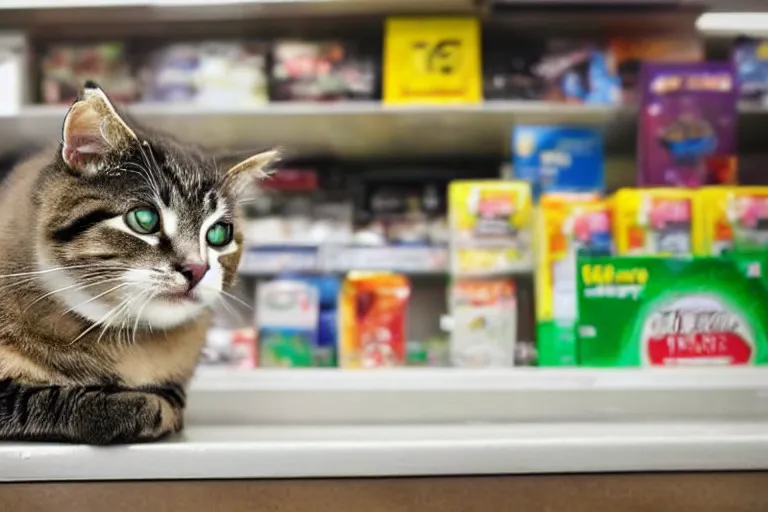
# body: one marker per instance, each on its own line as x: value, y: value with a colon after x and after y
x: 432, y: 61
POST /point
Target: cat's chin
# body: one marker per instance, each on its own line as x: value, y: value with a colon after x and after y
x: 171, y: 311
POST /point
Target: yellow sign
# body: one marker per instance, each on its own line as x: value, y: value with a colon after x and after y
x: 597, y: 275
x: 432, y: 61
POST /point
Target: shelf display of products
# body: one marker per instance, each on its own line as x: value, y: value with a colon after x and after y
x: 65, y: 67
x: 373, y: 310
x: 590, y: 72
x: 553, y: 70
x: 648, y: 311
x: 373, y: 219
x: 568, y: 226
x: 297, y: 319
x: 432, y: 60
x: 293, y: 208
x: 732, y: 219
x: 322, y: 71
x: 287, y: 313
x: 666, y: 240
x: 404, y: 210
x: 558, y: 158
x: 750, y: 57
x: 484, y: 331
x: 467, y: 191
x: 630, y: 53
x: 654, y: 221
x: 484, y: 235
x: 230, y: 348
x: 490, y: 226
x: 687, y: 131
x: 445, y: 65
x: 212, y: 73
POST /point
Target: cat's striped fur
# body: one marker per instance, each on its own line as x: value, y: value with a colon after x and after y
x: 101, y: 325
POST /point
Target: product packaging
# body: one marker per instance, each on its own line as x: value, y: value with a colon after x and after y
x: 432, y: 60
x: 688, y: 121
x: 401, y: 212
x: 645, y: 311
x: 322, y: 71
x: 732, y: 219
x: 631, y: 52
x: 490, y: 227
x: 579, y: 72
x: 750, y: 57
x: 574, y: 71
x: 325, y: 351
x: 212, y: 73
x: 558, y: 158
x: 372, y: 311
x: 484, y: 323
x: 570, y: 225
x: 510, y: 70
x: 65, y: 67
x: 287, y: 315
x: 654, y: 221
x: 231, y: 348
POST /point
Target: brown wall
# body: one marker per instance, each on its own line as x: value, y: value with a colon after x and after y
x: 724, y: 492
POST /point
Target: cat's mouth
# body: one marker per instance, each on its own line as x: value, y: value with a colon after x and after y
x: 180, y: 296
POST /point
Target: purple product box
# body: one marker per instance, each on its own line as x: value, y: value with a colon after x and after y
x: 687, y: 132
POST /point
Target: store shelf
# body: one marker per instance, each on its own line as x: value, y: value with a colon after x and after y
x: 41, y: 13
x: 402, y: 450
x: 270, y: 260
x: 366, y: 129
x: 408, y: 396
x: 354, y: 129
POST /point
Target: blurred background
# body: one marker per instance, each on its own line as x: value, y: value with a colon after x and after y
x: 466, y: 184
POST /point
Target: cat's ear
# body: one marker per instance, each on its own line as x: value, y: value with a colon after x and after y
x: 93, y: 131
x: 253, y: 168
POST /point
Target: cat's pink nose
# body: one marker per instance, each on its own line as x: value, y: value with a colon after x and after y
x: 193, y: 273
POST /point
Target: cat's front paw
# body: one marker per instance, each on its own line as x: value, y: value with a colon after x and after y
x: 124, y: 417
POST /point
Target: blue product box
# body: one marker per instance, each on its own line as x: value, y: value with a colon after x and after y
x: 750, y: 58
x: 558, y: 158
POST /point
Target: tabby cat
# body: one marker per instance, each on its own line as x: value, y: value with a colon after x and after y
x: 114, y: 248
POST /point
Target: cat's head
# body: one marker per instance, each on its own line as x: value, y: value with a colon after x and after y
x: 136, y: 228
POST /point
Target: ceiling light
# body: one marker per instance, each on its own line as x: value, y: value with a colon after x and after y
x: 728, y: 23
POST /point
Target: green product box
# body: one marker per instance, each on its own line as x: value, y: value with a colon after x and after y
x: 650, y: 311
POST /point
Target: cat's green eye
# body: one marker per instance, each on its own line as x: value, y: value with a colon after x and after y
x: 143, y: 220
x: 220, y: 234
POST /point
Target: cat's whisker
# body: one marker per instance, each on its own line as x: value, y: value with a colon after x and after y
x: 152, y: 292
x: 142, y: 146
x: 236, y: 298
x: 152, y: 295
x: 143, y: 173
x: 46, y: 271
x: 120, y: 332
x: 76, y: 286
x: 104, y: 320
x: 96, y: 297
x: 72, y: 309
x: 229, y: 309
x: 116, y: 313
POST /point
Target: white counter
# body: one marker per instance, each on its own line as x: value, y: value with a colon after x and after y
x: 285, y: 452
x: 281, y: 424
